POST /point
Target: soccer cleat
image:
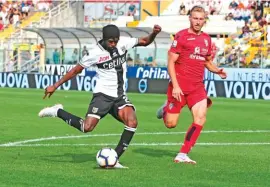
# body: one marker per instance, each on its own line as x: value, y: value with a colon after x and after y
x: 182, y: 157
x: 160, y: 111
x: 50, y: 111
x: 120, y: 166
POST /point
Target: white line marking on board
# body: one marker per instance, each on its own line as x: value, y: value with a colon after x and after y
x: 107, y: 135
x: 139, y: 144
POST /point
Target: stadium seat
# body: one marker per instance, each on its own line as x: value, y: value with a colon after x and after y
x: 6, y: 33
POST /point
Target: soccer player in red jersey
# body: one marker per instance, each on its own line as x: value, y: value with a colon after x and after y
x: 188, y: 56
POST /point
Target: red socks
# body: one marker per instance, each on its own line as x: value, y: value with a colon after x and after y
x: 191, y: 137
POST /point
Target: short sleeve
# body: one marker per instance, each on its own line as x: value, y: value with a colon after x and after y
x: 176, y: 45
x: 88, y: 60
x: 128, y: 43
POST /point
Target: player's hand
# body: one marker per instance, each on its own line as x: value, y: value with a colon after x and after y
x: 49, y: 91
x: 156, y: 29
x: 222, y: 73
x: 177, y: 92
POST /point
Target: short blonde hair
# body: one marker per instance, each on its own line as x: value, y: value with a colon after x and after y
x: 197, y: 8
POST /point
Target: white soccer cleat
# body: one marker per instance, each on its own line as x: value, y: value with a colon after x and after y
x: 183, y: 158
x: 50, y: 111
x: 160, y: 111
x: 120, y: 166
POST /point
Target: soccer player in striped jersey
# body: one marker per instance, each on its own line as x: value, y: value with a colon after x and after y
x: 109, y: 97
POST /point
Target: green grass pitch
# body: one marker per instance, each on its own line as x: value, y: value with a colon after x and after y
x: 232, y: 151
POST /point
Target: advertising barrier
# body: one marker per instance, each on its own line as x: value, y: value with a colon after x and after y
x: 61, y: 69
x: 215, y: 88
x: 234, y: 74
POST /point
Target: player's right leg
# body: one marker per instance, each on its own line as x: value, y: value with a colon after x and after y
x: 160, y: 111
x: 98, y: 108
x: 170, y: 110
x: 58, y: 111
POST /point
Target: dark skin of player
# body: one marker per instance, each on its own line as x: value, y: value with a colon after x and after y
x: 127, y: 114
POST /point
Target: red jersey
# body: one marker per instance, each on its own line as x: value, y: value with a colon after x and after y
x: 193, y: 50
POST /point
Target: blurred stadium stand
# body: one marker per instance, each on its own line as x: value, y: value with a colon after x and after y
x: 57, y: 32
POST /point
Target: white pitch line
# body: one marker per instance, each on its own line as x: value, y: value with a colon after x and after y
x: 140, y: 144
x: 107, y: 135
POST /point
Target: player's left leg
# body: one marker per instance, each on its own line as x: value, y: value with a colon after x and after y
x: 199, y: 117
x: 124, y: 111
x: 128, y: 116
x: 198, y: 104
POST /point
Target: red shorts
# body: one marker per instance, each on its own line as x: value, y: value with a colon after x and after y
x: 190, y: 98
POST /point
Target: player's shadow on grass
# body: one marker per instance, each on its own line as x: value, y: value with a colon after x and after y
x: 71, y: 157
x: 153, y: 152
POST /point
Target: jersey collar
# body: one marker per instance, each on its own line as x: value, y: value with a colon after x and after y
x: 188, y: 30
x: 100, y: 46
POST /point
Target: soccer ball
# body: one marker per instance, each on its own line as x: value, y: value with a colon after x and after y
x: 107, y: 157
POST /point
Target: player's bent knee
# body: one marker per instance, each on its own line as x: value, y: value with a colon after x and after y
x: 133, y: 123
x: 90, y: 124
x: 171, y: 120
x: 88, y: 127
x: 170, y: 124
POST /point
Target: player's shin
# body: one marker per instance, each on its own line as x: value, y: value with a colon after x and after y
x: 191, y: 137
x: 71, y: 119
x: 125, y: 140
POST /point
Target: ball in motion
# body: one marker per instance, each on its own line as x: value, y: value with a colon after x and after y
x: 106, y: 157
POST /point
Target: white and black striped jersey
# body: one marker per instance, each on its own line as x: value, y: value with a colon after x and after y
x: 110, y: 68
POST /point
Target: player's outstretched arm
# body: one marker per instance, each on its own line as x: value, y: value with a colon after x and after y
x: 69, y: 75
x: 145, y: 41
x: 213, y: 68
